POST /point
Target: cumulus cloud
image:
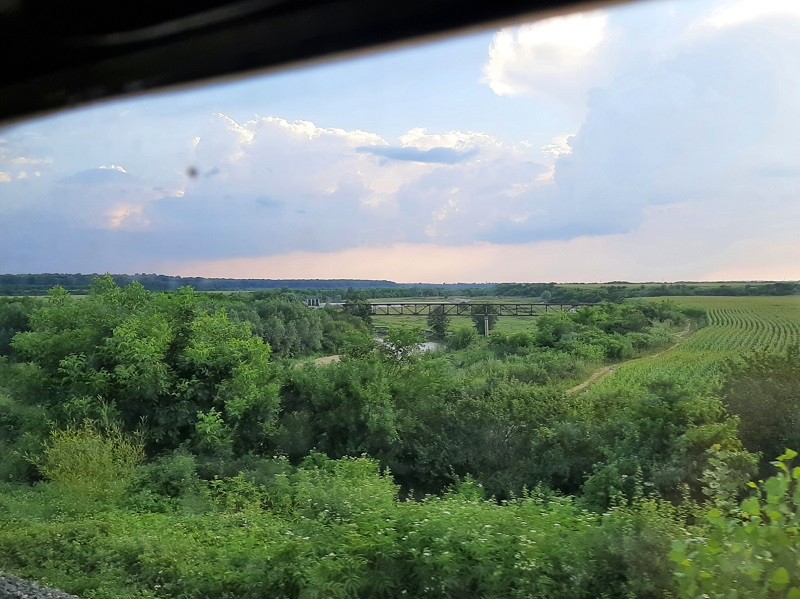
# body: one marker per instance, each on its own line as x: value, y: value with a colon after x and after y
x: 744, y: 12
x: 554, y: 59
x: 463, y: 141
x: 330, y: 188
x: 98, y: 176
x: 705, y: 121
x: 559, y: 147
x: 269, y: 185
x: 682, y: 163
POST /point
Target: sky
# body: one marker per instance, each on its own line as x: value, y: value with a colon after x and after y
x: 658, y: 141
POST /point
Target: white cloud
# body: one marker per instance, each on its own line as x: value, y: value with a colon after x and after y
x: 295, y: 184
x: 112, y: 167
x: 421, y: 139
x: 742, y: 12
x: 13, y: 163
x: 559, y: 147
x: 24, y: 160
x: 244, y: 133
x: 552, y: 57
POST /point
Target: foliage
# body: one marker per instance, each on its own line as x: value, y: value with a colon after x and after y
x: 467, y: 455
x: 14, y: 318
x: 763, y: 390
x: 749, y: 550
x: 90, y: 463
x: 335, y: 528
x: 161, y: 484
x: 360, y: 309
x: 401, y: 343
x: 462, y: 338
x: 484, y: 318
x: 157, y: 358
x: 23, y: 429
x: 438, y: 322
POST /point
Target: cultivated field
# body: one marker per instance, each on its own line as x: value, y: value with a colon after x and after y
x: 747, y: 323
x: 737, y: 326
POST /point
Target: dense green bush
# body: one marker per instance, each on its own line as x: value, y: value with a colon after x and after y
x: 23, y: 429
x: 462, y: 338
x: 92, y: 464
x: 763, y: 390
x: 750, y: 549
x: 14, y: 318
x: 335, y: 528
x: 157, y: 358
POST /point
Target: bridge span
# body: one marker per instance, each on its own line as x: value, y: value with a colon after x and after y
x: 471, y: 308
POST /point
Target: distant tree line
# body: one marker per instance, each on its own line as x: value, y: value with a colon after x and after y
x: 360, y: 290
x: 40, y: 284
x: 616, y: 292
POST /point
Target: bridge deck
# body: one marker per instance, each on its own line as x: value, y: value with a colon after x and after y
x: 470, y: 308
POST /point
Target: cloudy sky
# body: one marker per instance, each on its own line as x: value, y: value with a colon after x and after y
x: 656, y: 141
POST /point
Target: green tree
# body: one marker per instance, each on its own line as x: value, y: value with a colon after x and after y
x: 483, y: 315
x: 402, y: 342
x: 462, y: 338
x: 763, y: 390
x: 360, y: 308
x: 438, y: 321
x: 160, y: 358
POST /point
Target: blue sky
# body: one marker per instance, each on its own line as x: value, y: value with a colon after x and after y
x: 656, y: 141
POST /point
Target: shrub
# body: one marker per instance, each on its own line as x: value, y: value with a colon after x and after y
x: 462, y: 338
x: 94, y: 464
x: 749, y: 550
x: 22, y: 429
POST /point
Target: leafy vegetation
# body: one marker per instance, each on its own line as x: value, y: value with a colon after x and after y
x: 182, y: 445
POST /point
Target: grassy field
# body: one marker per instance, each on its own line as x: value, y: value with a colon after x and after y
x: 505, y: 324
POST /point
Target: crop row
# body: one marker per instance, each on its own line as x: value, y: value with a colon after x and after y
x: 747, y: 327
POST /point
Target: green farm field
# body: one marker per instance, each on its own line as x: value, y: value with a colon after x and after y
x: 747, y: 323
x: 737, y: 326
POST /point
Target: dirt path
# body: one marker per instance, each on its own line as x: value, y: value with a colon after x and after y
x: 327, y: 360
x: 599, y: 375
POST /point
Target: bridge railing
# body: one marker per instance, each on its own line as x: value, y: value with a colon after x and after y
x: 471, y: 308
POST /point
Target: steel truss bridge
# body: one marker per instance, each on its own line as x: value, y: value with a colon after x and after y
x: 471, y: 308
